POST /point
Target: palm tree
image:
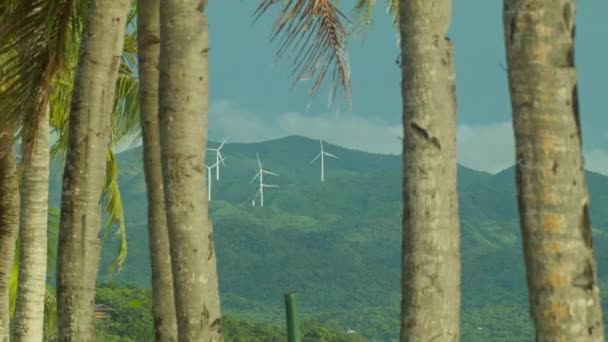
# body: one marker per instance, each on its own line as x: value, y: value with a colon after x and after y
x: 430, y: 286
x: 9, y: 227
x: 551, y: 190
x: 29, y: 320
x: 39, y: 21
x: 183, y: 104
x: 148, y: 38
x: 83, y: 179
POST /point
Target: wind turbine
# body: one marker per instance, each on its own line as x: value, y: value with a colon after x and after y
x: 322, y: 154
x: 218, y: 159
x: 260, y: 176
x: 209, y: 180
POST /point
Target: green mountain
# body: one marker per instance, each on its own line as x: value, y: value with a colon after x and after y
x: 338, y: 243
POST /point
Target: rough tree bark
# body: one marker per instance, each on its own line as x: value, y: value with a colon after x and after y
x: 430, y: 308
x: 184, y: 70
x: 148, y: 43
x: 29, y: 312
x: 552, y: 193
x: 84, y: 174
x: 9, y: 227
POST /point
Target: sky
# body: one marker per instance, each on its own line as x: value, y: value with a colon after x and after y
x: 252, y: 98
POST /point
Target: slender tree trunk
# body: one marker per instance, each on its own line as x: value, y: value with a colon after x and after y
x: 29, y: 312
x: 551, y: 189
x: 148, y: 42
x: 183, y: 108
x: 84, y: 175
x: 9, y: 227
x: 430, y: 308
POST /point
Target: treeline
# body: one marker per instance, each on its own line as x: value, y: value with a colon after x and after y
x: 131, y: 320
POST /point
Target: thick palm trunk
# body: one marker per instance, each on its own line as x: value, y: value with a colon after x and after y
x: 430, y: 309
x: 9, y: 227
x: 183, y: 116
x: 83, y: 179
x: 148, y: 43
x: 29, y: 312
x: 552, y: 193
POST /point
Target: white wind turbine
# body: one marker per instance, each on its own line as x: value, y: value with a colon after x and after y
x: 260, y: 176
x: 209, y: 180
x: 218, y: 159
x: 322, y: 154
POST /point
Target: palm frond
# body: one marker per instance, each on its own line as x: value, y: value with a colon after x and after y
x: 32, y: 44
x: 363, y: 14
x: 52, y: 237
x: 393, y: 10
x: 50, y: 314
x: 125, y: 117
x: 114, y: 209
x: 313, y: 31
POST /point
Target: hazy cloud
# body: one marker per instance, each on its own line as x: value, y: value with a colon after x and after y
x: 487, y: 148
x: 597, y: 160
x: 348, y: 130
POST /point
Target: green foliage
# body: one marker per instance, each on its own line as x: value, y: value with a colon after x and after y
x: 131, y: 320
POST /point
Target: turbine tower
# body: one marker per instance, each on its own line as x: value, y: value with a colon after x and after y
x: 218, y: 159
x: 322, y: 154
x: 260, y: 176
x: 209, y: 179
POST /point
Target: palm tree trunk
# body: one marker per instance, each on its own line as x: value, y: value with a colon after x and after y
x: 183, y: 109
x: 29, y: 312
x: 552, y: 192
x: 430, y: 307
x: 84, y: 174
x: 148, y: 41
x: 9, y: 227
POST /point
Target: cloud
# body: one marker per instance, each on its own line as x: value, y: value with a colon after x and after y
x: 487, y: 148
x: 597, y: 160
x: 349, y: 130
x: 483, y: 147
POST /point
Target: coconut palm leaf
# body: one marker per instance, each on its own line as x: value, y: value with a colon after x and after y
x: 115, y: 212
x: 33, y: 39
x: 313, y: 31
x: 363, y: 14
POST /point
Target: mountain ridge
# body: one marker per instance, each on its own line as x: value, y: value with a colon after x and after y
x: 338, y: 243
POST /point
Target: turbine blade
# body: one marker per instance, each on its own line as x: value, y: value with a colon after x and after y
x: 222, y: 144
x: 259, y: 162
x: 329, y: 154
x: 256, y: 176
x: 221, y: 158
x: 315, y: 158
x: 270, y: 173
x: 270, y: 186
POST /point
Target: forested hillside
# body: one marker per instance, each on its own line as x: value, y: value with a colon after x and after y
x: 338, y: 243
